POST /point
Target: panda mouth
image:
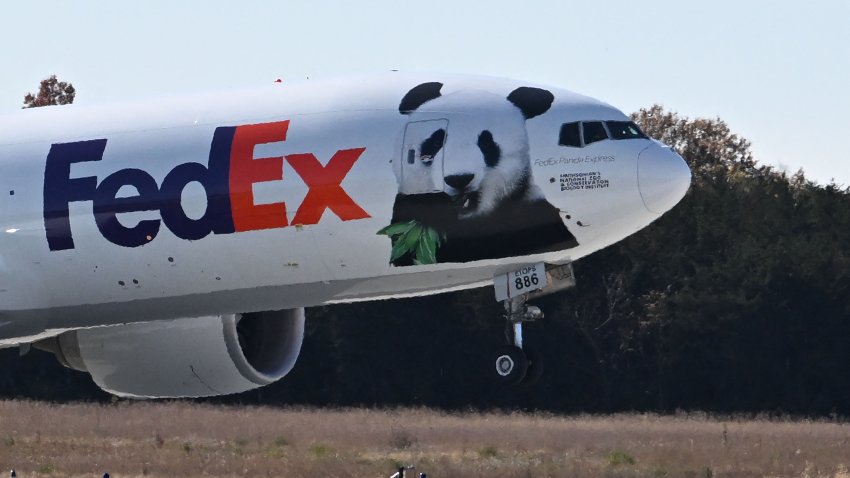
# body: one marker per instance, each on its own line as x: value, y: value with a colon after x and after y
x: 467, y: 203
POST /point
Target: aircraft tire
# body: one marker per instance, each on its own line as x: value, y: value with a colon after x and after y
x: 511, y: 365
x: 535, y: 367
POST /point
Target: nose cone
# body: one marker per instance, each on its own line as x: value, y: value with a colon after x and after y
x: 663, y: 178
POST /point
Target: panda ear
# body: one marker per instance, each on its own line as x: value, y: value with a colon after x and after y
x: 418, y: 96
x: 531, y: 101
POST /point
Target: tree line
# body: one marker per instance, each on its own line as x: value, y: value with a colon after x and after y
x: 737, y: 300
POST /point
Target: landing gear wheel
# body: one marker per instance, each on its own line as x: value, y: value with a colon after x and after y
x: 535, y: 368
x: 511, y: 365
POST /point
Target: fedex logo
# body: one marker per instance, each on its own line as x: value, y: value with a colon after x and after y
x: 227, y: 178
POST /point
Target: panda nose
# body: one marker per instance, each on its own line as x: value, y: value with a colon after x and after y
x: 459, y: 181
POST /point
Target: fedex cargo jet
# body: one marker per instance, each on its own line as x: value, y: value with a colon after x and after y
x: 169, y: 247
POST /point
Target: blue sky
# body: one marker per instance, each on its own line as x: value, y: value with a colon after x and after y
x: 778, y: 72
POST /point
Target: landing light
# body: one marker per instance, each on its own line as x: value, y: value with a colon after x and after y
x: 12, y: 230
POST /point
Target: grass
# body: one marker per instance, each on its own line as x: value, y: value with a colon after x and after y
x: 159, y: 439
x: 617, y: 457
x: 488, y: 452
x: 321, y: 451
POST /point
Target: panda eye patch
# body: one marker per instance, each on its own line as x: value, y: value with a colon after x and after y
x: 431, y: 146
x: 489, y: 148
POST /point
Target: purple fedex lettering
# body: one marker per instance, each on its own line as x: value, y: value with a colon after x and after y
x: 60, y: 190
x: 214, y: 179
x: 107, y: 206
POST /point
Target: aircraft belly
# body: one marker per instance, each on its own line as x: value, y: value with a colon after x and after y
x: 255, y: 299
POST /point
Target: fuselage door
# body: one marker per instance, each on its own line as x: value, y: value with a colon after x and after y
x: 422, y: 156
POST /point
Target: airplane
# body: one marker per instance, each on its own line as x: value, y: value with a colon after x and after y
x: 169, y: 247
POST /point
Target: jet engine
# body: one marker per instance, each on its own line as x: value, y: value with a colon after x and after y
x: 192, y: 357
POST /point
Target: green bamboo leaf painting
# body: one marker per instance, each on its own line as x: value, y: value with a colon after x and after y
x: 397, y: 228
x: 426, y: 250
x: 414, y: 239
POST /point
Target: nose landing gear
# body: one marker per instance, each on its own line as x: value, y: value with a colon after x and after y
x: 516, y: 364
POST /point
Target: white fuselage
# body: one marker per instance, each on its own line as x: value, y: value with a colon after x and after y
x: 284, y: 211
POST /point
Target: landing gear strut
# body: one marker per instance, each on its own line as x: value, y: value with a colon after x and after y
x: 514, y: 365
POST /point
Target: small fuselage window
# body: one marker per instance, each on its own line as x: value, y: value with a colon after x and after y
x: 578, y: 134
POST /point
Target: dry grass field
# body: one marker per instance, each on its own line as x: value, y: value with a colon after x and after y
x: 184, y: 439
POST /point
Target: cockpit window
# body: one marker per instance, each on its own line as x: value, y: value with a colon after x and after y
x: 593, y: 132
x: 569, y: 135
x: 624, y: 130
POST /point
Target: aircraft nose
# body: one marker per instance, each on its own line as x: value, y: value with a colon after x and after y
x: 663, y: 178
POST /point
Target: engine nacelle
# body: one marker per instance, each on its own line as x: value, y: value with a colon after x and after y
x: 195, y: 357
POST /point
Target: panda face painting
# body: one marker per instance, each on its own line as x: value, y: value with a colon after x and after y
x: 465, y: 185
